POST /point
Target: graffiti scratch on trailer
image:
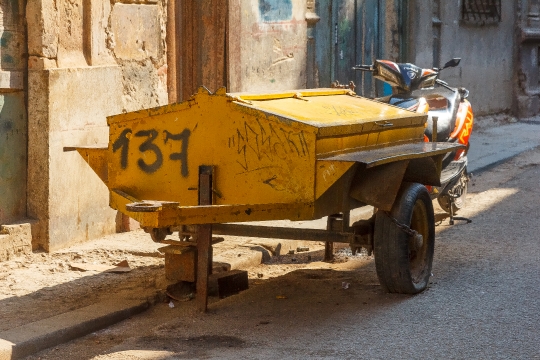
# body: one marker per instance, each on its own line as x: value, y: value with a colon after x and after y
x: 259, y: 145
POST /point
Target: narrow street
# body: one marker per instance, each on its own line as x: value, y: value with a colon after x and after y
x: 141, y: 139
x: 482, y: 303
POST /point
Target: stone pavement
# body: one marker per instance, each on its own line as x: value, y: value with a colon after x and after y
x: 489, y: 146
x: 494, y: 145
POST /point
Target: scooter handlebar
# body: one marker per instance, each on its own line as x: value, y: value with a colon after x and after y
x: 363, y: 67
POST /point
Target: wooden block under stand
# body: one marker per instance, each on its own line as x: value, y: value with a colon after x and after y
x: 181, y: 260
x: 181, y: 266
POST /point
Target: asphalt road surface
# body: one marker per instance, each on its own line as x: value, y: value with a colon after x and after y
x: 483, y: 301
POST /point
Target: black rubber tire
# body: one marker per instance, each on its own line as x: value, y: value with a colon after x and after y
x: 159, y: 234
x: 403, y: 265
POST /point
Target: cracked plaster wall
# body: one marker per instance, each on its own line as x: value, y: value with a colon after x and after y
x: 88, y: 59
x: 84, y: 33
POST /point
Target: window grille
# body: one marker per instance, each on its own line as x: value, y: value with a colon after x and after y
x: 481, y: 12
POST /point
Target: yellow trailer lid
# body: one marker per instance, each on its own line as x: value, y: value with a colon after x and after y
x: 332, y: 111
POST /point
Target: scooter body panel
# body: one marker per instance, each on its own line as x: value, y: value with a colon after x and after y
x: 414, y: 90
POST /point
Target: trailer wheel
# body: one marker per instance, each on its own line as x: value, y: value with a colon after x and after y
x: 403, y: 262
x: 158, y: 234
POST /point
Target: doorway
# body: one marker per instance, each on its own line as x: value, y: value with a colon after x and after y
x: 354, y: 32
x: 201, y: 46
x: 347, y: 34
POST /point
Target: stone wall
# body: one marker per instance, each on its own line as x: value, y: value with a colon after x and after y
x: 15, y: 240
x: 88, y: 59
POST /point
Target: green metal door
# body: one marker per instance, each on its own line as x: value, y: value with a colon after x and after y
x: 354, y: 32
x: 13, y: 123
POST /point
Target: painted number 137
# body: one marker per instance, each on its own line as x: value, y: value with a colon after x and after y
x: 149, y: 146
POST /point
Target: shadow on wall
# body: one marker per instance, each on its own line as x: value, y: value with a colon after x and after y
x: 13, y: 157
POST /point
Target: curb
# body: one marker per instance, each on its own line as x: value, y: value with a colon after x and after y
x: 484, y: 168
x: 495, y: 146
x: 30, y: 338
x: 494, y: 164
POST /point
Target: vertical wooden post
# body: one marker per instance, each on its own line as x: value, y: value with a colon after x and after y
x: 204, y: 239
x: 171, y: 51
x: 328, y: 251
x: 329, y: 246
x: 311, y: 19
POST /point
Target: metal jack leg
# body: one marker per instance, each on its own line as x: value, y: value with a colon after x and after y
x: 204, y: 240
x: 452, y: 217
x: 337, y: 222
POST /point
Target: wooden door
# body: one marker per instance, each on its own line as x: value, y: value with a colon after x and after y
x: 201, y: 45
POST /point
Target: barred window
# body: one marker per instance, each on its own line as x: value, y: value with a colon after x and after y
x: 481, y: 12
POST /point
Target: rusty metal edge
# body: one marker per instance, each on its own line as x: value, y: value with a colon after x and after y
x: 380, y: 156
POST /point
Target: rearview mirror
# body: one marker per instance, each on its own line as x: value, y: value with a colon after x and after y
x: 452, y: 63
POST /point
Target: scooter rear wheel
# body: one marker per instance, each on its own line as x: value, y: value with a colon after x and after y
x: 460, y: 193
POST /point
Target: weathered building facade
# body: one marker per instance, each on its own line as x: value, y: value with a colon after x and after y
x: 426, y: 33
x: 482, y: 33
x: 80, y: 61
x: 527, y: 86
x: 88, y: 59
x: 68, y: 64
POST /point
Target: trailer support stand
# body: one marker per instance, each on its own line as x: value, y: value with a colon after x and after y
x: 336, y: 222
x: 204, y: 239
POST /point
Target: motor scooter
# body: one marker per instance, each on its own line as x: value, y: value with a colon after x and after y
x: 450, y: 119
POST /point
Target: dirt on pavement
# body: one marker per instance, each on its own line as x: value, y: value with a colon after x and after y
x: 283, y: 291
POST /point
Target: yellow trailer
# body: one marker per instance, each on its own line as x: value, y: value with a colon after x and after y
x: 298, y: 155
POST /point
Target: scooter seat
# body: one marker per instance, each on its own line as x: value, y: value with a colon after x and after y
x: 445, y: 114
x: 443, y: 104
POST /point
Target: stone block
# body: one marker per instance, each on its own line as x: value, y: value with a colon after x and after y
x: 68, y: 107
x: 78, y: 200
x: 71, y: 34
x: 137, y: 31
x: 41, y: 63
x: 15, y: 240
x: 38, y: 155
x: 43, y: 27
x: 96, y: 32
x: 84, y: 97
